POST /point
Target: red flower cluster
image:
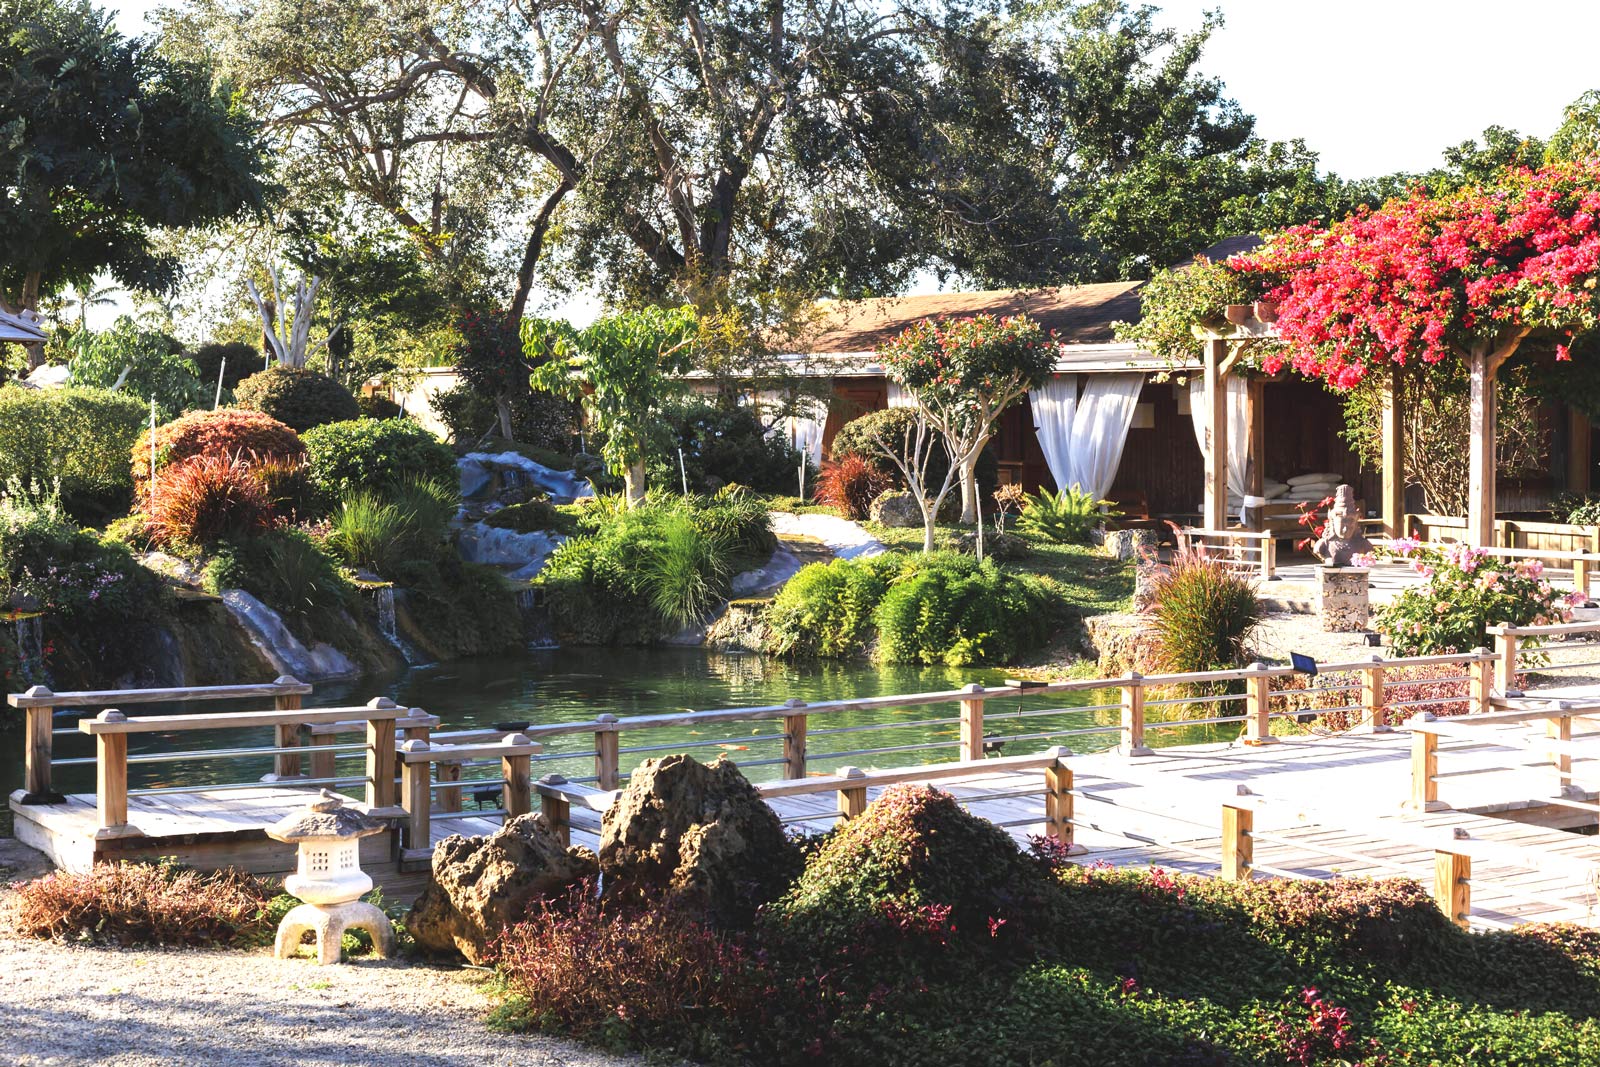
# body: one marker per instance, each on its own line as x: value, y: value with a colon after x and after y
x: 1427, y: 277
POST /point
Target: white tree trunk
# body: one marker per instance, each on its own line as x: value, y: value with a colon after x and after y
x: 633, y: 482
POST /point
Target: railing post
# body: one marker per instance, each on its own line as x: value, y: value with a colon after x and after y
x: 449, y: 799
x: 324, y: 761
x: 111, y: 778
x: 1269, y: 558
x: 286, y: 764
x: 1058, y: 802
x: 518, y: 794
x: 794, y: 741
x: 1424, y: 765
x: 1133, y: 715
x: 557, y: 810
x: 40, y: 750
x: 1505, y: 647
x: 1480, y: 682
x: 1559, y: 727
x: 380, y: 759
x: 972, y: 724
x: 1580, y: 576
x: 606, y: 743
x: 1238, y: 844
x: 1452, y: 885
x: 1372, y: 697
x: 1258, y: 706
x: 852, y: 798
x: 415, y: 795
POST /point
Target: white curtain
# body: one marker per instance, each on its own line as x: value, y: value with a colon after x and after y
x: 1238, y: 400
x: 803, y: 430
x: 898, y: 397
x: 1082, y: 437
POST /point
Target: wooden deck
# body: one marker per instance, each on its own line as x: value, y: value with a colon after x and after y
x: 1324, y: 807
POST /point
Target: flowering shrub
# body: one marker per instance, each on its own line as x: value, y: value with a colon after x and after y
x: 851, y: 484
x: 139, y: 903
x: 1465, y: 592
x: 226, y: 432
x: 208, y: 499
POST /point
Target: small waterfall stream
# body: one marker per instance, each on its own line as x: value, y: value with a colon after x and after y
x: 28, y: 636
x: 388, y: 625
x: 536, y: 619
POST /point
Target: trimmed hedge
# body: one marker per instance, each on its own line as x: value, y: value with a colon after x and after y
x: 77, y: 435
x: 298, y: 398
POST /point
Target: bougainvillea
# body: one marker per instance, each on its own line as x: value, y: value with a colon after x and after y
x: 1429, y: 277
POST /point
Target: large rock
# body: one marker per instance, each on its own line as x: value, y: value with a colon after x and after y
x: 895, y: 509
x: 697, y: 835
x: 481, y: 885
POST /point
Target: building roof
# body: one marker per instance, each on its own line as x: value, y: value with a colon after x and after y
x: 1080, y: 314
x: 22, y: 329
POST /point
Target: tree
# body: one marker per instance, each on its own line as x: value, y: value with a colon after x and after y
x: 144, y: 363
x: 104, y: 140
x: 286, y: 318
x: 963, y: 375
x: 1465, y: 276
x: 625, y: 368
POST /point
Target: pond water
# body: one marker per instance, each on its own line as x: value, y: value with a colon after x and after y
x: 574, y: 684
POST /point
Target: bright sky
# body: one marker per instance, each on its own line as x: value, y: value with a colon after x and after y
x: 1374, y: 86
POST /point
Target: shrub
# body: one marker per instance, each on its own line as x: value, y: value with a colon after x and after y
x: 851, y: 484
x: 827, y: 608
x: 298, y: 398
x: 466, y: 414
x: 139, y: 903
x: 377, y: 406
x: 1464, y: 592
x: 227, y: 432
x: 377, y: 456
x: 285, y: 569
x: 738, y: 521
x: 242, y: 359
x: 1203, y: 613
x: 370, y: 531
x: 1068, y: 516
x: 947, y: 608
x: 464, y: 610
x: 77, y: 435
x: 51, y: 566
x: 208, y: 499
x: 724, y: 445
x: 143, y: 363
x: 287, y: 485
x: 532, y: 516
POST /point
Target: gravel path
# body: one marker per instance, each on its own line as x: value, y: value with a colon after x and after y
x: 847, y: 539
x: 67, y: 1004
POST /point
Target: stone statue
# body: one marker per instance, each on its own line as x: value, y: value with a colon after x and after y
x: 1341, y: 531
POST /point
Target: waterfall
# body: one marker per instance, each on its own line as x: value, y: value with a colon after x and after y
x: 29, y: 634
x: 535, y: 618
x: 282, y: 649
x: 389, y: 627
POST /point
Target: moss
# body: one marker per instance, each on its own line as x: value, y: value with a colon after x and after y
x: 533, y: 516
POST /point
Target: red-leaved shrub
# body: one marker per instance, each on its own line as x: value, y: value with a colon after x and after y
x: 206, y: 499
x: 226, y: 432
x: 139, y: 903
x: 851, y: 484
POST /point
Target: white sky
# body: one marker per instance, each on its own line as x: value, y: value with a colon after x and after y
x: 1374, y: 86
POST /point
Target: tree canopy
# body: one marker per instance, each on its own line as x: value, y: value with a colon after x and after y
x: 103, y: 139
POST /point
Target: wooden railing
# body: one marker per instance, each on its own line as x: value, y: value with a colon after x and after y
x: 1556, y: 537
x: 1254, y: 551
x: 39, y: 706
x: 1555, y: 750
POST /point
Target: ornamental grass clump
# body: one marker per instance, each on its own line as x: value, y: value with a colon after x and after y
x: 139, y: 903
x: 1203, y: 613
x: 851, y: 484
x: 1464, y: 592
x: 207, y: 499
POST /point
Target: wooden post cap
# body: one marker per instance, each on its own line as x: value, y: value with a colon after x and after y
x: 552, y: 779
x: 794, y: 702
x: 1480, y: 651
x: 1132, y: 676
x: 851, y: 772
x: 416, y: 744
x: 607, y: 717
x: 1258, y: 666
x: 973, y: 688
x: 381, y: 704
x: 1242, y: 790
x: 1460, y: 833
x: 1378, y: 660
x: 518, y: 739
x: 287, y: 679
x: 37, y: 691
x: 111, y: 715
x: 1422, y: 716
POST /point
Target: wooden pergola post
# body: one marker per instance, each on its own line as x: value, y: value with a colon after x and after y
x: 1480, y: 447
x: 1255, y: 459
x: 1216, y: 424
x: 1580, y: 457
x: 1394, y: 458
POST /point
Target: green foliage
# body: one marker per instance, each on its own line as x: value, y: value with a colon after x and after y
x: 465, y: 610
x: 285, y: 569
x: 377, y: 406
x: 1576, y: 508
x: 684, y: 570
x: 234, y: 360
x: 858, y: 438
x: 1203, y: 615
x: 1176, y: 300
x: 1067, y: 516
x: 1463, y: 593
x: 375, y: 455
x: 382, y: 531
x: 80, y: 436
x: 723, y: 445
x: 107, y: 140
x: 298, y: 398
x: 146, y: 363
x: 827, y: 609
x: 945, y: 608
x: 533, y: 516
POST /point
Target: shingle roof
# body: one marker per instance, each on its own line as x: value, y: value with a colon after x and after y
x: 1080, y: 314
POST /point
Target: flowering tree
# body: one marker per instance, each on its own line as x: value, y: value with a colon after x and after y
x: 963, y: 374
x: 624, y: 368
x: 1425, y: 279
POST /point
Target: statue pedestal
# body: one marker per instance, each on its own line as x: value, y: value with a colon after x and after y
x: 1342, y: 599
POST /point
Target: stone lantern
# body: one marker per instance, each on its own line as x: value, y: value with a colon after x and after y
x: 329, y: 878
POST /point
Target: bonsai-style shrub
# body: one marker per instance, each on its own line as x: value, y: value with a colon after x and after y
x: 227, y: 432
x: 298, y: 398
x: 79, y: 436
x: 140, y: 904
x: 208, y: 499
x: 827, y: 608
x: 375, y: 455
x: 1203, y: 613
x: 234, y: 360
x: 1068, y: 516
x: 1463, y: 593
x: 851, y: 483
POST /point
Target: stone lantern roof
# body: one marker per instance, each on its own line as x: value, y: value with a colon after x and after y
x: 324, y: 819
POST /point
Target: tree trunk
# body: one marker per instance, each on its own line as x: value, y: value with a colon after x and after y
x: 531, y: 253
x: 969, y: 489
x: 30, y: 302
x: 502, y: 407
x: 633, y: 482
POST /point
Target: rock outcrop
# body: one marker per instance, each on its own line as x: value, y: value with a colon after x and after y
x: 480, y: 885
x: 895, y: 509
x: 698, y: 835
